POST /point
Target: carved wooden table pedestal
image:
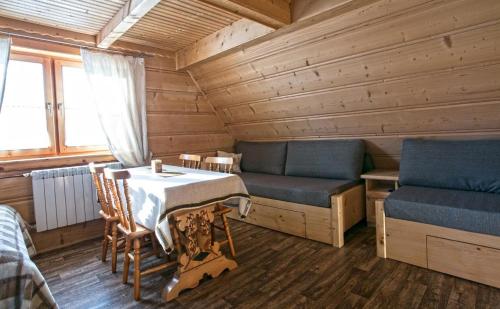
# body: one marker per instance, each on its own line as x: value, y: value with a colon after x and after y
x: 198, y: 253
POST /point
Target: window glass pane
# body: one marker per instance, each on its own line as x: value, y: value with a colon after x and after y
x: 82, y: 127
x: 23, y: 122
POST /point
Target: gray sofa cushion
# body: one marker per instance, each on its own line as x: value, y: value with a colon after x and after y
x: 266, y: 158
x: 462, y: 165
x: 336, y: 159
x: 464, y: 210
x: 302, y: 190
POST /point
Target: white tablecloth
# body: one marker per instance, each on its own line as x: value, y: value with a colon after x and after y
x: 156, y: 196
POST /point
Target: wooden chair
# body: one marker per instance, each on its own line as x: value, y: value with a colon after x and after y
x: 224, y: 165
x: 133, y: 233
x: 107, y: 212
x: 190, y: 161
x: 219, y: 164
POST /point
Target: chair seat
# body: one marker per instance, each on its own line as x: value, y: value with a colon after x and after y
x: 471, y: 211
x: 140, y: 231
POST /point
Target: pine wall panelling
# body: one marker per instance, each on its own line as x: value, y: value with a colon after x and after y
x: 180, y: 120
x: 382, y: 72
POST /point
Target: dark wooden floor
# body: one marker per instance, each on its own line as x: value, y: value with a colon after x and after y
x: 275, y: 271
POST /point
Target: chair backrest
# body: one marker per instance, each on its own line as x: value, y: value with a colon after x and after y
x: 190, y: 161
x: 219, y: 164
x: 123, y: 207
x: 97, y: 172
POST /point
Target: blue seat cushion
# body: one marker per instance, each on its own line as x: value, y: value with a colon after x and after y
x: 463, y: 210
x: 462, y: 165
x: 301, y: 190
x: 336, y: 159
x: 258, y: 157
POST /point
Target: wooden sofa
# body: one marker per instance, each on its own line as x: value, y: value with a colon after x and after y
x: 446, y: 214
x: 304, y: 188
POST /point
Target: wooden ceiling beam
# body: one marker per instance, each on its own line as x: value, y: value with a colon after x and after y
x: 224, y: 40
x: 125, y: 18
x: 143, y: 49
x: 22, y: 29
x: 271, y: 13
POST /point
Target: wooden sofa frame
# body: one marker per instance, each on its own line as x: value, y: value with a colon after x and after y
x: 312, y: 222
x: 467, y: 255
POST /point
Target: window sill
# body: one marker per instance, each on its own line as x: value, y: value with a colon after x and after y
x: 10, y: 168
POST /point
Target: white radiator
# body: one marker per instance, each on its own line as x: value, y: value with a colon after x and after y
x: 64, y: 196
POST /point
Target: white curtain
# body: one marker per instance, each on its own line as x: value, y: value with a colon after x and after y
x: 118, y: 86
x: 4, y: 61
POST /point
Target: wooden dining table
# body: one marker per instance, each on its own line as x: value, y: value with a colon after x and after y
x: 178, y: 204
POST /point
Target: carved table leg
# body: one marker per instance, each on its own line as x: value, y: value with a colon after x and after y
x: 201, y: 255
x: 191, y: 278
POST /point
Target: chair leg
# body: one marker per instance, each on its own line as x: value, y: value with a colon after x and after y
x: 105, y: 242
x: 114, y: 246
x: 126, y: 261
x: 212, y: 233
x: 137, y: 269
x: 228, y: 235
x: 154, y: 242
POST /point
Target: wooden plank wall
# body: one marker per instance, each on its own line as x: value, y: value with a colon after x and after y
x: 180, y: 120
x: 382, y: 72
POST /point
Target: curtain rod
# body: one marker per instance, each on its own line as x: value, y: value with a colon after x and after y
x: 114, y: 50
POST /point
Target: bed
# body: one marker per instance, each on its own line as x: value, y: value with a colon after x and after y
x: 21, y: 283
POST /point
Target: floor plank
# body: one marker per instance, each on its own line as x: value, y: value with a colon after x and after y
x: 275, y: 271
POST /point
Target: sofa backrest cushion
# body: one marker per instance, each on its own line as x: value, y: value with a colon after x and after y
x: 335, y: 159
x: 463, y: 165
x: 262, y: 157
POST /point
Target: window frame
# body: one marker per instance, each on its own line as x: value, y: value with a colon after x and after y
x: 61, y: 124
x: 53, y: 86
x: 49, y: 110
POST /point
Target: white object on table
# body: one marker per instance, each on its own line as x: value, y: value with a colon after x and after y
x: 156, y: 196
x: 156, y: 166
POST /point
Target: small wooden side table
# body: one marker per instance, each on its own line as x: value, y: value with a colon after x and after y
x: 379, y: 184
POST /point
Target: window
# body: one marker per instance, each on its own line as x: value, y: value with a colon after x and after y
x: 25, y: 119
x: 32, y: 125
x: 79, y: 127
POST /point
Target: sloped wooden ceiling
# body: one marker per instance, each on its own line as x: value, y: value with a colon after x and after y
x: 174, y: 24
x: 378, y: 70
x: 85, y: 16
x: 165, y: 24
